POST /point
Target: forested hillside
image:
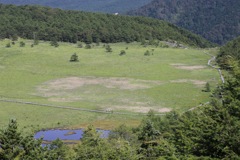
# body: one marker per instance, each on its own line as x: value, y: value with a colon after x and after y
x: 228, y: 53
x: 106, y: 6
x: 216, y: 20
x: 72, y: 26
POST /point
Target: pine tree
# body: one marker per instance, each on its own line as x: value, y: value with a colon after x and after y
x: 10, y: 140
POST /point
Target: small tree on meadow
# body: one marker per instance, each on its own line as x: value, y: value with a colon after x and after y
x: 74, y: 58
x: 22, y: 44
x: 207, y: 87
x: 36, y: 42
x: 80, y: 45
x: 8, y: 45
x: 147, y: 53
x: 122, y: 53
x: 88, y: 46
x: 108, y: 48
x: 54, y: 43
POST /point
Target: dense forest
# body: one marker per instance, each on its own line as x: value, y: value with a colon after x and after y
x: 216, y: 20
x: 72, y: 26
x: 106, y: 6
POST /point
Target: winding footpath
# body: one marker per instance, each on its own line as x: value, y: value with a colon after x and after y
x: 217, y: 68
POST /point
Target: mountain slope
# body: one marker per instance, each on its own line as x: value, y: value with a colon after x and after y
x: 106, y: 6
x: 71, y: 26
x: 216, y: 20
x: 229, y: 52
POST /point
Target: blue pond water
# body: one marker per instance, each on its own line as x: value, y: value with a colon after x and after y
x: 51, y: 135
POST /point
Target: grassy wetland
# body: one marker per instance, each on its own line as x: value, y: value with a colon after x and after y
x: 167, y: 79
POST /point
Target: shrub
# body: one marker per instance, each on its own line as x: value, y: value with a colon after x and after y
x: 147, y: 53
x: 108, y: 48
x: 8, y: 45
x: 22, y: 44
x: 207, y: 87
x: 88, y: 46
x: 122, y: 53
x: 80, y: 45
x: 54, y: 43
x: 74, y: 58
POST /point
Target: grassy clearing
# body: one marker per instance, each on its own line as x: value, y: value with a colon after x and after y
x: 129, y: 83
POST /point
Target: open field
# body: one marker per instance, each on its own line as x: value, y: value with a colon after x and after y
x: 168, y: 79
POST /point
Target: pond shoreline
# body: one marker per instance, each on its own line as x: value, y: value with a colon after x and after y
x: 67, y: 135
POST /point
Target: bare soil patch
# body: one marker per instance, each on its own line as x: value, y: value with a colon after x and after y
x: 72, y: 89
x: 141, y: 109
x: 186, y: 67
x: 195, y: 82
x: 164, y: 110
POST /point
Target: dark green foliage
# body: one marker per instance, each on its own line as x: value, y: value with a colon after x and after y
x: 123, y: 132
x: 10, y: 140
x: 207, y: 87
x: 14, y: 37
x: 88, y: 46
x: 54, y: 43
x: 35, y: 39
x: 35, y: 42
x: 93, y: 147
x: 215, y: 20
x: 108, y: 48
x: 122, y: 53
x: 209, y: 132
x: 229, y: 53
x: 8, y: 45
x: 14, y: 145
x: 22, y: 44
x: 80, y: 45
x: 147, y: 53
x: 74, y: 58
x: 72, y: 26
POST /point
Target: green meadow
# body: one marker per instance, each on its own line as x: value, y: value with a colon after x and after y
x: 168, y: 79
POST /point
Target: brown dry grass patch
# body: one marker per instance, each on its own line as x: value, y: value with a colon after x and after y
x: 186, y: 67
x: 195, y: 82
x: 141, y: 109
x: 58, y: 86
x: 109, y: 94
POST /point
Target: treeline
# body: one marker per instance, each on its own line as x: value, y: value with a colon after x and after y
x: 35, y: 22
x: 215, y: 20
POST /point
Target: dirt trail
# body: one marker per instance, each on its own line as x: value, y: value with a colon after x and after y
x: 217, y: 68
